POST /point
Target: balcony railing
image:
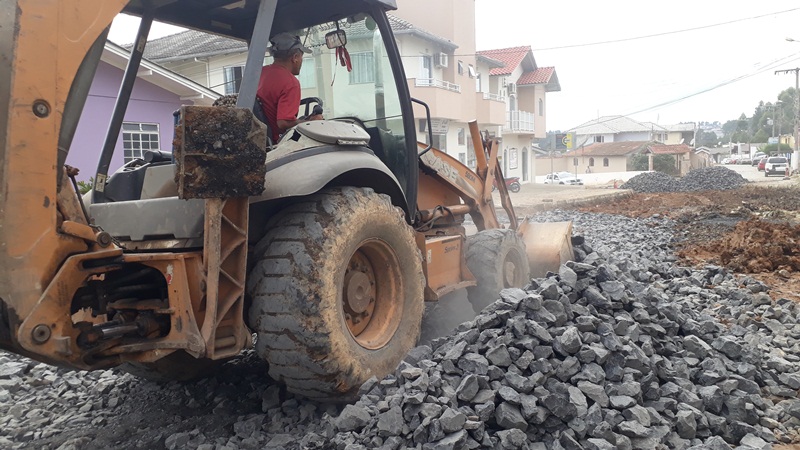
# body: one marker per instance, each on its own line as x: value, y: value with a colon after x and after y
x: 519, y: 122
x: 441, y: 84
x: 495, y: 97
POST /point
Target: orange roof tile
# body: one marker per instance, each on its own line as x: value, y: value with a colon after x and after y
x: 541, y: 75
x: 511, y: 57
x: 664, y: 149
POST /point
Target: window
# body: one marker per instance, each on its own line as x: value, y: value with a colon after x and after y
x: 471, y: 161
x: 233, y: 79
x: 308, y: 75
x: 591, y: 162
x: 138, y: 137
x: 605, y: 162
x: 462, y: 136
x: 478, y: 86
x: 471, y: 70
x: 575, y: 162
x: 426, y: 67
x: 598, y: 138
x: 462, y: 158
x: 541, y: 107
x: 461, y: 67
x: 363, y: 68
x: 439, y: 142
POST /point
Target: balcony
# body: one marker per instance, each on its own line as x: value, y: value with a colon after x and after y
x: 441, y: 84
x: 491, y: 109
x: 521, y: 122
x: 444, y: 98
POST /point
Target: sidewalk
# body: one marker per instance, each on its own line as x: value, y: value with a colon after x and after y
x: 543, y: 197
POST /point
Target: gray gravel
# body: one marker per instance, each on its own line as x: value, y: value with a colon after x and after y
x: 705, y: 179
x: 624, y: 349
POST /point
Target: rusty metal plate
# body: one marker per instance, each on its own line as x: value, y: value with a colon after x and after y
x: 220, y: 152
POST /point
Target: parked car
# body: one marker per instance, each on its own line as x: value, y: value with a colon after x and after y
x: 562, y: 178
x: 775, y: 165
x: 757, y: 158
x: 726, y: 161
x: 743, y: 160
x: 761, y: 163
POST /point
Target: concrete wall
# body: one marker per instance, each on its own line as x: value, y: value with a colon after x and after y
x: 148, y: 104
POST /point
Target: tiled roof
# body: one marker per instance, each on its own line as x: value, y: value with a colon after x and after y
x: 622, y: 148
x: 511, y: 57
x: 613, y: 125
x: 541, y: 75
x: 190, y: 44
x: 664, y: 149
x: 195, y: 44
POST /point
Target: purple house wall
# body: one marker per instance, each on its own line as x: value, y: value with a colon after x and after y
x: 148, y: 104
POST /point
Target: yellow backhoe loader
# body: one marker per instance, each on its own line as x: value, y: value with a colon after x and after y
x: 324, y: 245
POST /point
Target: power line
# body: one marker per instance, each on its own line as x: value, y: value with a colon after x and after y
x: 665, y: 33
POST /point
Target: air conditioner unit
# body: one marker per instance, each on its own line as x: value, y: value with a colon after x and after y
x: 441, y: 59
x: 512, y: 89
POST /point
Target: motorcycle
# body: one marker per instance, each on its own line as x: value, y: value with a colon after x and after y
x: 512, y: 184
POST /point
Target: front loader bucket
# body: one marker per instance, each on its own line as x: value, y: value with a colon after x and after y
x: 549, y: 244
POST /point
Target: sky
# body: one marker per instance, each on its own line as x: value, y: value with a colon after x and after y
x: 734, y: 62
x: 712, y: 60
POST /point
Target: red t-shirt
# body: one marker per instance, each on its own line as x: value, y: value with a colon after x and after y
x: 279, y: 92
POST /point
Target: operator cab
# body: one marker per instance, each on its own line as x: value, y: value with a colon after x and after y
x: 366, y: 108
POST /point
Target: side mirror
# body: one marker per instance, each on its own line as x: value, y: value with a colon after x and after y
x: 336, y: 39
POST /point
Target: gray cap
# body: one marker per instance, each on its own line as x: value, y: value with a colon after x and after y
x: 285, y: 42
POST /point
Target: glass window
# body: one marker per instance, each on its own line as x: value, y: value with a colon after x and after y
x: 605, y: 162
x: 541, y: 107
x: 471, y: 71
x: 461, y: 67
x: 591, y: 162
x: 426, y: 67
x: 598, y: 139
x: 363, y: 68
x: 367, y: 95
x: 233, y: 79
x: 462, y: 136
x: 308, y: 74
x: 478, y: 83
x: 137, y: 138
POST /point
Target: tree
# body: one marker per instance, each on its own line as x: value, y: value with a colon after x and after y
x: 661, y: 163
x: 772, y: 149
x: 760, y: 137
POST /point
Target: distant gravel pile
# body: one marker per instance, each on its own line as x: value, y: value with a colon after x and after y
x: 620, y: 351
x: 712, y: 178
x: 652, y: 182
x: 705, y: 179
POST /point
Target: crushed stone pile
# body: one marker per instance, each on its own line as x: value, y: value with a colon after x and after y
x: 625, y: 352
x: 712, y: 178
x: 705, y: 179
x: 623, y: 349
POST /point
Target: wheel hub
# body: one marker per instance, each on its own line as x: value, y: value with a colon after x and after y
x: 359, y: 292
x: 370, y: 292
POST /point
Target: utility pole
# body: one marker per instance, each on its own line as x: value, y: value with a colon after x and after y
x: 796, y: 155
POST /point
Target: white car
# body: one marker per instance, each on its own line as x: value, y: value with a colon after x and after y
x: 775, y: 165
x: 562, y: 178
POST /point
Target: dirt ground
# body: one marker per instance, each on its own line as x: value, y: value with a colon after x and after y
x: 754, y: 230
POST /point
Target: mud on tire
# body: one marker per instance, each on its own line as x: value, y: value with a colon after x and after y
x: 498, y: 261
x: 317, y: 268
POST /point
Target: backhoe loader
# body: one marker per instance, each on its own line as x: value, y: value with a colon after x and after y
x: 319, y: 249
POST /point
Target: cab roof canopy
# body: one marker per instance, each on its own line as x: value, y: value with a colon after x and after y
x: 236, y: 18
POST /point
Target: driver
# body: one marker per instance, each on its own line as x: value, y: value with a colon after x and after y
x: 278, y: 88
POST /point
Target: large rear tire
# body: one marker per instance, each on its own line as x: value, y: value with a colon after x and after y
x: 336, y: 293
x: 498, y: 260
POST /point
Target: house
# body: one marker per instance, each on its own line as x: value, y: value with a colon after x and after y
x: 623, y: 128
x: 148, y: 123
x: 525, y: 85
x: 505, y: 93
x: 611, y: 157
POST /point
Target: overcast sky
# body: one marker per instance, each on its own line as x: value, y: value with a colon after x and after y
x: 636, y: 75
x: 735, y: 62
